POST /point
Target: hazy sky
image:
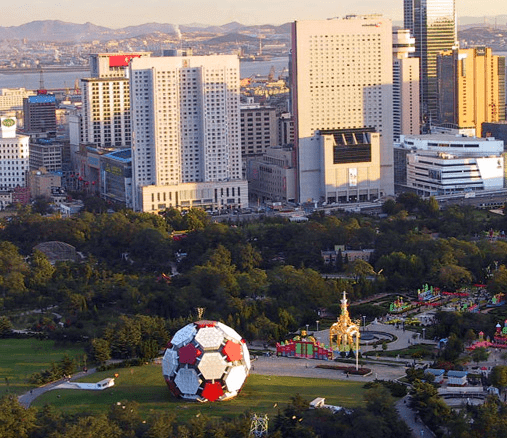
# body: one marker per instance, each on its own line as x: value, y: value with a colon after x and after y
x: 120, y: 13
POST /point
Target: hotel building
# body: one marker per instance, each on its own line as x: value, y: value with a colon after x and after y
x: 342, y: 88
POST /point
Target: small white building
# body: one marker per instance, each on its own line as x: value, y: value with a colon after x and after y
x: 457, y: 378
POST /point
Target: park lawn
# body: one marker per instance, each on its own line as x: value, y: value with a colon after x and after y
x: 20, y: 358
x: 145, y: 385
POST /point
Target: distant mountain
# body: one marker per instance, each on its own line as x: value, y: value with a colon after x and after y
x: 61, y: 31
x: 231, y: 38
x: 55, y: 30
x: 501, y: 20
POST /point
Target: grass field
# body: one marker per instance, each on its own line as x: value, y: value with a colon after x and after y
x: 146, y: 386
x: 19, y: 358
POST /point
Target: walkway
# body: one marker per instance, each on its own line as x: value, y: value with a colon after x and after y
x: 419, y: 429
x: 27, y: 398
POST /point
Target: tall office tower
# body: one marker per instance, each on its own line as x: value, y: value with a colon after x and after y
x: 342, y: 79
x: 14, y: 155
x: 433, y: 24
x: 186, y: 147
x: 471, y: 87
x: 40, y: 113
x: 406, y: 114
x: 106, y: 101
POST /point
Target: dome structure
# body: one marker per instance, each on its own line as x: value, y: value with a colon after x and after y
x: 206, y: 361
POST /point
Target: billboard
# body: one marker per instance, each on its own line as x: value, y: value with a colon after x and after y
x: 121, y: 60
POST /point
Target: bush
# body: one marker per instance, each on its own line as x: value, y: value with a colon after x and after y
x: 397, y: 389
x: 345, y: 369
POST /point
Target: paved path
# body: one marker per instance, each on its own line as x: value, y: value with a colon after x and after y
x: 27, y: 398
x: 404, y: 337
x: 419, y: 429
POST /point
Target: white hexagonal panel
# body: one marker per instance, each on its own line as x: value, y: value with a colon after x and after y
x: 184, y: 336
x: 169, y: 362
x: 212, y: 366
x: 235, y: 378
x: 246, y: 356
x: 229, y: 332
x: 187, y: 381
x: 210, y: 338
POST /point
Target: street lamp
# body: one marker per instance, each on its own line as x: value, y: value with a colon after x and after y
x: 424, y: 333
x: 317, y: 324
x: 307, y: 325
x: 364, y: 323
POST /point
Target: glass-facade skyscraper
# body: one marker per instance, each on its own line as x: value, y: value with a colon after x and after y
x: 433, y: 24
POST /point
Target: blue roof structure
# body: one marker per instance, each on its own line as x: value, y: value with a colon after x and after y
x: 453, y: 373
x: 123, y: 155
x: 42, y: 98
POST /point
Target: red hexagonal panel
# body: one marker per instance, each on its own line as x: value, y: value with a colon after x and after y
x: 205, y: 323
x: 188, y: 354
x: 212, y: 391
x: 173, y: 388
x: 233, y: 351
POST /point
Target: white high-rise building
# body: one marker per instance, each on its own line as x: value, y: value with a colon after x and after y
x: 14, y: 155
x: 106, y: 101
x: 406, y: 108
x: 342, y: 80
x: 186, y: 148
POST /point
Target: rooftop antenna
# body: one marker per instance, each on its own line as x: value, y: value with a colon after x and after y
x: 42, y: 89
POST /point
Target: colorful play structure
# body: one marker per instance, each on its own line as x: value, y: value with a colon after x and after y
x: 499, y: 339
x: 428, y: 294
x: 399, y: 306
x: 497, y: 300
x: 306, y: 346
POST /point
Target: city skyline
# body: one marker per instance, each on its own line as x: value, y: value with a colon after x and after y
x: 117, y: 14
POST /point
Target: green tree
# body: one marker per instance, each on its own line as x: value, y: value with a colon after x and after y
x: 101, y: 350
x: 41, y: 271
x: 452, y: 277
x: 92, y: 427
x: 498, y: 377
x: 12, y: 270
x: 5, y: 326
x: 480, y: 354
x: 360, y: 269
x: 15, y: 420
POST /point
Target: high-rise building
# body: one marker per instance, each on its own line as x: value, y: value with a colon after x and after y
x: 406, y: 114
x: 471, y: 87
x: 258, y: 129
x: 12, y: 98
x: 40, y: 113
x: 433, y: 24
x: 342, y: 80
x: 47, y: 153
x: 186, y: 149
x: 106, y: 101
x: 14, y: 155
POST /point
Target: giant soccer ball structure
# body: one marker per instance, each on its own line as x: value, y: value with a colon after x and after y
x: 206, y: 361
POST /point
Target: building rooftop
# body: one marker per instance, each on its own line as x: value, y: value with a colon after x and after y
x: 124, y: 155
x: 42, y: 98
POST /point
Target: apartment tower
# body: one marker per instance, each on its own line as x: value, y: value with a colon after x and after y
x: 186, y: 149
x: 106, y: 101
